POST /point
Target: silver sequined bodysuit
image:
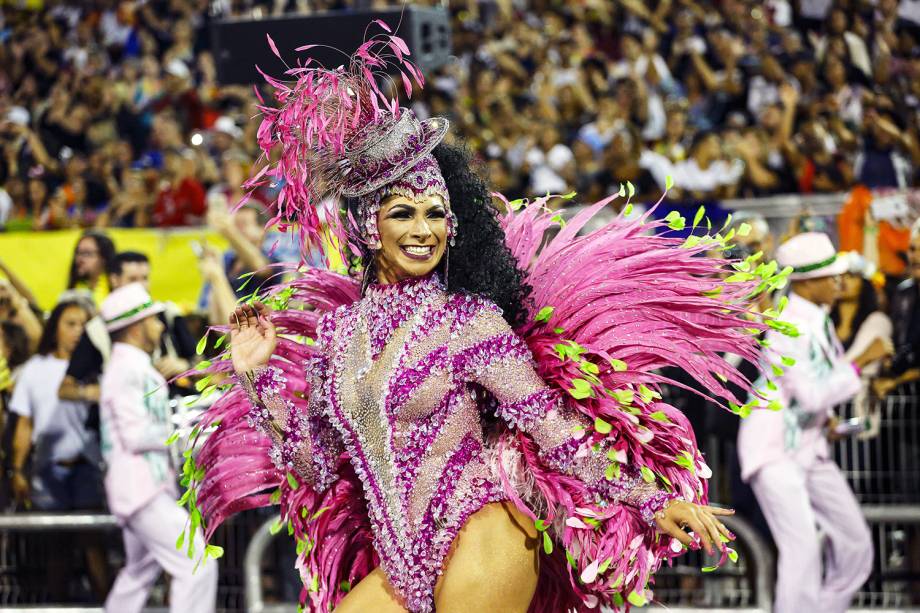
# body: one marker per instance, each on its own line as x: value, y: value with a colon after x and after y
x: 400, y: 386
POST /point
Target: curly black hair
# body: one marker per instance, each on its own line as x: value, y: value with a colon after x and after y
x: 480, y: 261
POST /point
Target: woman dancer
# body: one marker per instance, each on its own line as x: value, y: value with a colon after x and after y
x: 466, y: 397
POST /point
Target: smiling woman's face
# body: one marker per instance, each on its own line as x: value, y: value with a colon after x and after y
x: 413, y: 236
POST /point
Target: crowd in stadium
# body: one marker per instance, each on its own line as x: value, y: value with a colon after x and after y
x: 112, y: 116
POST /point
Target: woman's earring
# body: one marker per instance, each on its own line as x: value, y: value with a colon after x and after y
x: 451, y: 228
x: 446, y: 263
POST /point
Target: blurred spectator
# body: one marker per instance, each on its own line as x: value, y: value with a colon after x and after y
x: 64, y: 454
x: 6, y: 201
x: 858, y: 303
x: 14, y: 351
x: 218, y: 294
x: 859, y: 320
x: 93, y: 258
x: 818, y: 164
x: 885, y: 157
x: 673, y: 145
x: 172, y: 358
x: 225, y: 136
x: 180, y: 201
x: 246, y: 262
x: 758, y: 238
x: 704, y: 175
x: 56, y: 460
x: 905, y: 313
x: 17, y: 305
x: 621, y: 165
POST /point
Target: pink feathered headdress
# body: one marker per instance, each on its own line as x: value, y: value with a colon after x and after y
x: 336, y: 134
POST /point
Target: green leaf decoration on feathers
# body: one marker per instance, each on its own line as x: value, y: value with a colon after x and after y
x: 699, y: 215
x: 544, y: 314
x: 213, y: 551
x: 647, y: 475
x: 675, y: 221
x: 602, y: 426
x: 636, y: 599
x: 202, y: 344
x: 581, y: 389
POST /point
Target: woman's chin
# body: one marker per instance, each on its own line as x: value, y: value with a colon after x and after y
x: 418, y: 268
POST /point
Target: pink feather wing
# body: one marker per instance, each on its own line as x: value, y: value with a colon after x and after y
x: 620, y: 293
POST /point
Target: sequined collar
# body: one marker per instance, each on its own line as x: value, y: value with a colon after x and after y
x: 384, y: 308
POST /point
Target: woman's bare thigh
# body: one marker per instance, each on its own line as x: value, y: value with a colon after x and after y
x: 493, y: 565
x: 373, y: 593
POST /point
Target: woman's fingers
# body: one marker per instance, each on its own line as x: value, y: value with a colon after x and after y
x: 718, y: 510
x: 696, y: 524
x: 671, y: 529
x: 723, y: 529
x: 713, y: 530
x: 235, y: 320
x: 261, y: 309
x: 252, y: 316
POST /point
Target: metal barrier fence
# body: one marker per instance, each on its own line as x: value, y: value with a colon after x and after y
x: 30, y: 542
x: 257, y: 575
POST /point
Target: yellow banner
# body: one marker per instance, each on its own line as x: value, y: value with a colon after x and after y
x: 42, y: 260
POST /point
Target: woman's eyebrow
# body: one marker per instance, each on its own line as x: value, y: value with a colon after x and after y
x: 402, y: 205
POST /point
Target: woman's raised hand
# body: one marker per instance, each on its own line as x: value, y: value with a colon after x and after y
x: 252, y: 337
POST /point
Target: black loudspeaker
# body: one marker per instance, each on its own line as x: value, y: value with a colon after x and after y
x: 240, y: 44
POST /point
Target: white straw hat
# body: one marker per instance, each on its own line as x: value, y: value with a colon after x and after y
x: 126, y: 305
x: 811, y: 255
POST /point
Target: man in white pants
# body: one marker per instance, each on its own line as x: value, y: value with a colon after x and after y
x: 140, y: 484
x: 784, y: 454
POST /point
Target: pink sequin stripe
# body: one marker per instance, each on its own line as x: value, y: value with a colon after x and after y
x: 467, y: 306
x: 263, y: 387
x: 482, y: 492
x: 443, y: 520
x: 562, y: 457
x: 419, y: 440
x: 386, y: 307
x: 261, y: 384
x: 473, y: 361
x: 302, y: 430
x: 409, y: 379
x: 524, y: 414
x: 468, y: 448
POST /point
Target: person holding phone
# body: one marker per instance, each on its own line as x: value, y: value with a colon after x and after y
x: 785, y: 454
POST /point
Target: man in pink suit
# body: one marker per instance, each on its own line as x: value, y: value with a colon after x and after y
x: 784, y: 454
x: 140, y: 484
